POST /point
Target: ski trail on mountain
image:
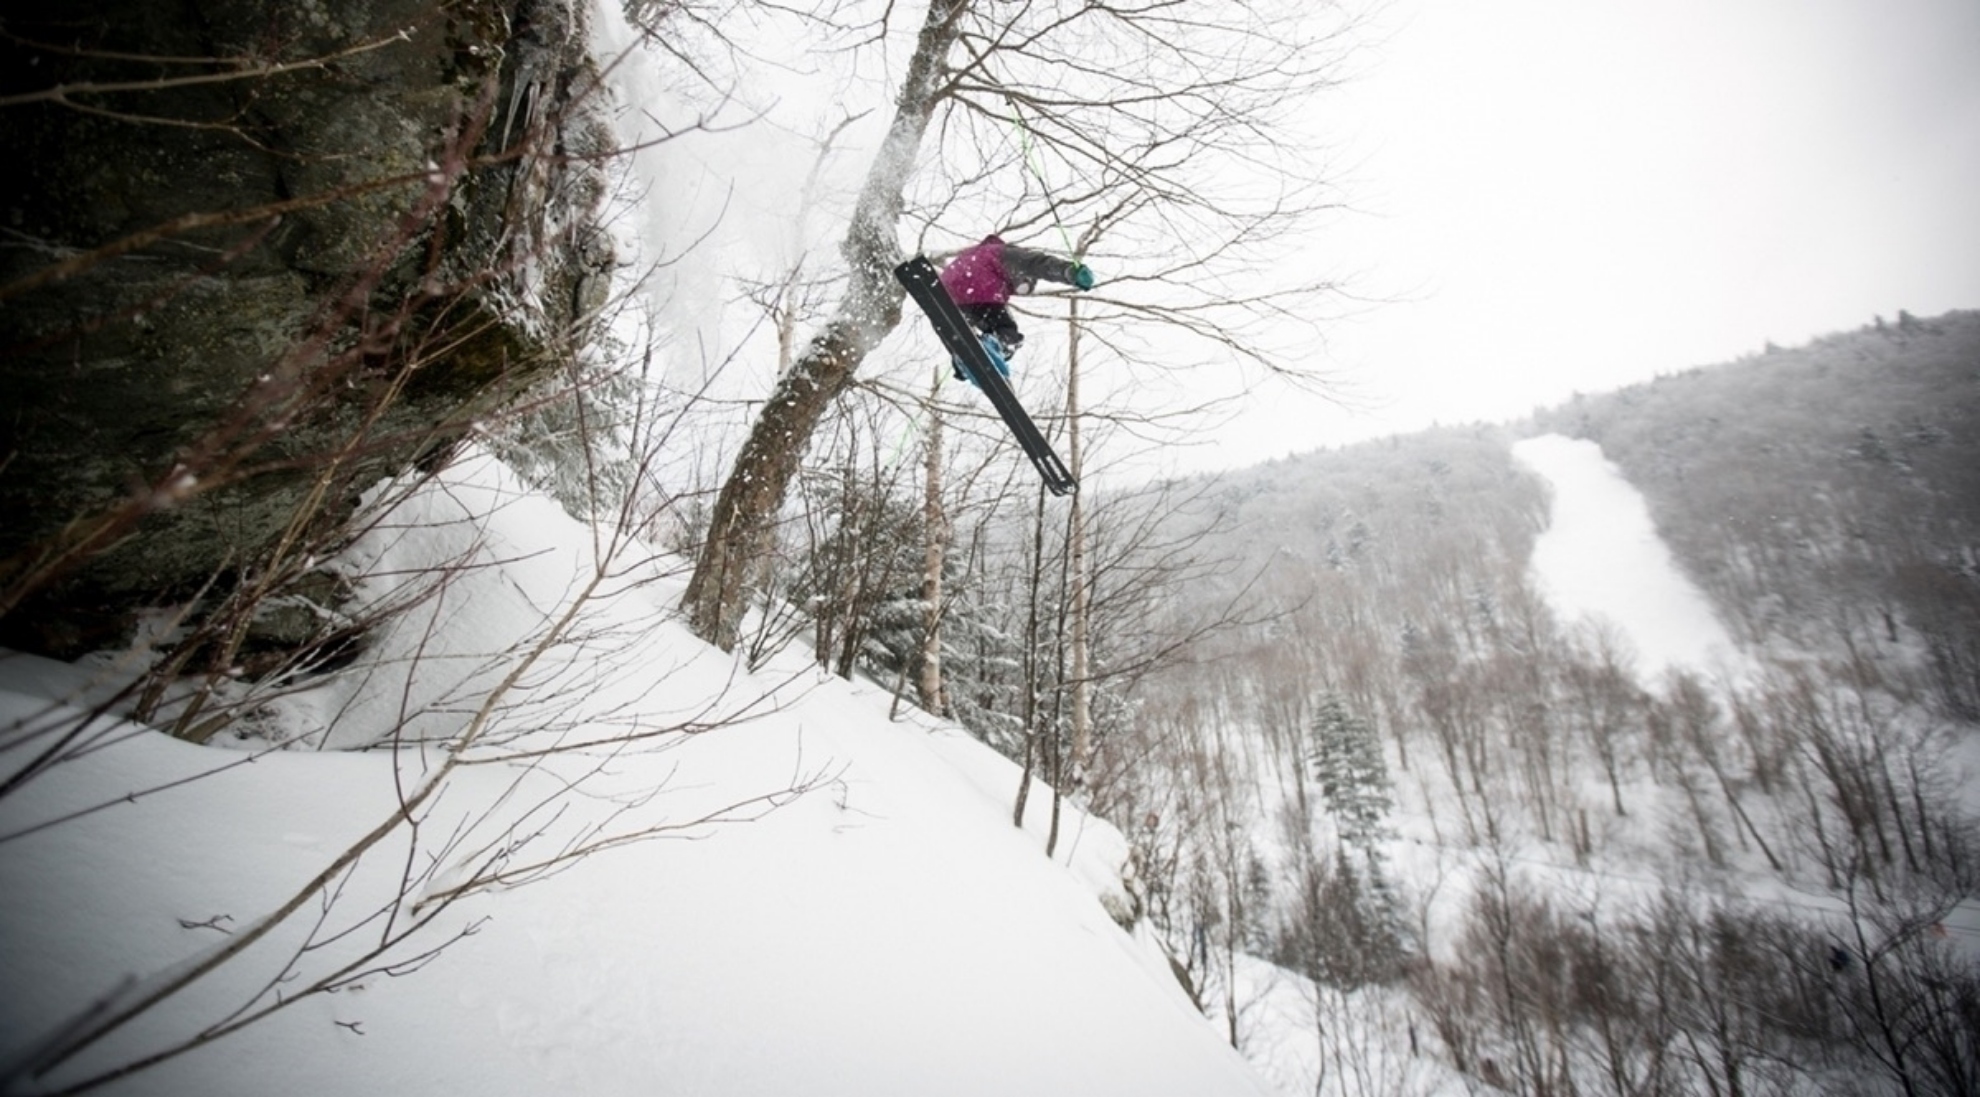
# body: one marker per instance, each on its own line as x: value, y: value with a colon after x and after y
x: 1601, y: 560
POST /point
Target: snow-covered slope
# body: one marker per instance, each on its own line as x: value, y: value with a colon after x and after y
x: 1601, y: 562
x: 882, y: 930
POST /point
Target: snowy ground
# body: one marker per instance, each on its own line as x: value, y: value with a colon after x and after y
x: 1601, y: 563
x: 886, y: 932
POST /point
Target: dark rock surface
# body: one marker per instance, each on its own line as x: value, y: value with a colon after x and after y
x: 255, y: 257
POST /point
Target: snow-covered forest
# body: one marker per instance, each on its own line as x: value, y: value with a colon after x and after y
x: 498, y: 597
x: 1673, y: 790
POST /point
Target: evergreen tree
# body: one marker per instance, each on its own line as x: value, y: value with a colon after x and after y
x: 1353, y: 779
x: 983, y: 663
x: 1348, y: 928
x: 1344, y: 929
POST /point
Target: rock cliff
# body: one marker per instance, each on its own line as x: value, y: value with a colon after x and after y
x: 253, y: 258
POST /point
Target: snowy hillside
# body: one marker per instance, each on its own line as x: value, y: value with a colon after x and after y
x: 805, y: 897
x: 653, y: 870
x: 1505, y: 795
x: 1600, y: 563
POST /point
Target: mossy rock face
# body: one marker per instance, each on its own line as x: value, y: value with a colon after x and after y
x: 239, y: 297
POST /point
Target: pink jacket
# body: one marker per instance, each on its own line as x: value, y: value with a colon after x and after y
x: 990, y: 272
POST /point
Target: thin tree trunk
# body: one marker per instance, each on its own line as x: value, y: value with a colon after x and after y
x: 740, y: 531
x: 1029, y: 669
x: 1082, y: 710
x: 935, y: 534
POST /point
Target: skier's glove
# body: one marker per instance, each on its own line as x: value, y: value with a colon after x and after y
x: 1082, y: 276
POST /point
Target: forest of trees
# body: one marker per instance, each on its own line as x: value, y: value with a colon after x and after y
x: 1702, y: 883
x: 1823, y: 495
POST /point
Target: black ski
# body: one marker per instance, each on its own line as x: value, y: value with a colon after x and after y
x: 925, y: 286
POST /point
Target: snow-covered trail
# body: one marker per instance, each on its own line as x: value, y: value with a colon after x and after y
x: 1602, y: 562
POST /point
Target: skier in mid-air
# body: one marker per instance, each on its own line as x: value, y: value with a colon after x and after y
x: 981, y: 280
x: 968, y: 304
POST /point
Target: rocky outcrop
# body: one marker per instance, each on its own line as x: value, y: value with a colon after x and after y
x: 254, y: 257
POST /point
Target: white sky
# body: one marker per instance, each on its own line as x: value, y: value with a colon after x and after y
x: 1567, y: 196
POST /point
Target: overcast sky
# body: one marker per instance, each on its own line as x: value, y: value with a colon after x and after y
x: 1571, y: 196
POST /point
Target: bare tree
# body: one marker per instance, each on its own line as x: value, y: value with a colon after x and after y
x: 1141, y: 99
x: 747, y: 506
x: 936, y: 534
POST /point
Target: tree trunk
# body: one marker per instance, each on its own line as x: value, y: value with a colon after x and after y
x: 1029, y: 670
x: 1082, y: 691
x: 935, y: 533
x: 740, y: 531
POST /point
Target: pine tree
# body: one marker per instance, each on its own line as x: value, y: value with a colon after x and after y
x: 1350, y: 930
x: 1354, y: 781
x: 1344, y: 929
